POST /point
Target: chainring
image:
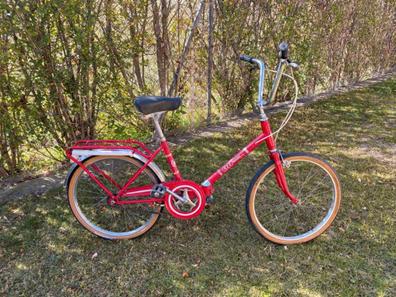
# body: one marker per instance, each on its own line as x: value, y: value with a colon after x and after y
x: 189, y: 191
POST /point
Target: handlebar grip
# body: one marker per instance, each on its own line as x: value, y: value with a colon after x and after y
x: 283, y: 50
x: 246, y: 58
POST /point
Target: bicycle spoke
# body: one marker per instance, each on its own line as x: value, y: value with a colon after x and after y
x: 288, y: 219
x: 282, y: 215
x: 276, y: 208
x: 100, y: 201
x: 304, y: 182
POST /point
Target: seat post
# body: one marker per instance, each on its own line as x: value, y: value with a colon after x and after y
x: 156, y: 117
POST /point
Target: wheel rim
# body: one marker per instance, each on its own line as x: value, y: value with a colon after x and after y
x: 310, y: 181
x: 89, y: 201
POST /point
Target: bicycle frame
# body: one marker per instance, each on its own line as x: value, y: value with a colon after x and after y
x: 274, y: 154
x: 208, y: 184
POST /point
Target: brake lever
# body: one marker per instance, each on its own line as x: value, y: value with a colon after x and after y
x: 293, y: 65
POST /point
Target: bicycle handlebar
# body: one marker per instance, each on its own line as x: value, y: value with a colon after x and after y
x: 246, y: 58
x: 283, y: 55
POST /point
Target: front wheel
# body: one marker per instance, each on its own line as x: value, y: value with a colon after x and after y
x: 313, y: 181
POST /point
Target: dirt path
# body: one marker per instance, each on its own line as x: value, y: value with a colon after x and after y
x: 40, y: 185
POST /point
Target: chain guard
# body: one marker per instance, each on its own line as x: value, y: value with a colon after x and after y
x: 196, y: 195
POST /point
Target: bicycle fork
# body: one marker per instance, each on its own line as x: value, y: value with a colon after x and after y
x: 275, y: 155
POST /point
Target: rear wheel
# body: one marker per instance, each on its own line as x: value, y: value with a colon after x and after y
x: 310, y: 179
x: 89, y: 205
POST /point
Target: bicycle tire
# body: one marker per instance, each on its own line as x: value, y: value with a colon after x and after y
x: 255, y: 205
x: 87, y: 223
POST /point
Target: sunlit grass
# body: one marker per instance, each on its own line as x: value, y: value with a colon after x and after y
x: 44, y: 251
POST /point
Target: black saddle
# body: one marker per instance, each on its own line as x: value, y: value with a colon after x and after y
x: 150, y: 104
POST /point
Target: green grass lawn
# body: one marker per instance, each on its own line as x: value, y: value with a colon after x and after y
x: 45, y: 252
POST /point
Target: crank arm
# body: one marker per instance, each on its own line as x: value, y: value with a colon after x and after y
x: 178, y: 197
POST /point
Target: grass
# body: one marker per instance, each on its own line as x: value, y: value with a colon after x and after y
x: 44, y: 252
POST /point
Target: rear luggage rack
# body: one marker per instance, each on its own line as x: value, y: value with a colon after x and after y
x: 108, y: 147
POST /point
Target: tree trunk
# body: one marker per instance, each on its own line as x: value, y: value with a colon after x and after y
x: 160, y: 26
x: 186, y: 48
x: 210, y: 61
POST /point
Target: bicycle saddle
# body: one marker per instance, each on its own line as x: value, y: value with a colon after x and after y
x: 151, y: 104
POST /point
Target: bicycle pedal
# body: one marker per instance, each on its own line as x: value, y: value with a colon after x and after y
x: 210, y: 200
x: 158, y: 191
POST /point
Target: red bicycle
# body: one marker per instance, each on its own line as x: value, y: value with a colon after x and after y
x: 116, y: 191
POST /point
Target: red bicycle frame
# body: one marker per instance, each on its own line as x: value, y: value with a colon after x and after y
x: 207, y: 185
x: 274, y: 155
x: 136, y: 147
